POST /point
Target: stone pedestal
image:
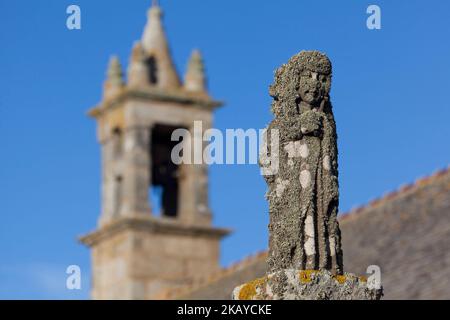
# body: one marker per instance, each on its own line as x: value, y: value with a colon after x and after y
x: 290, y: 284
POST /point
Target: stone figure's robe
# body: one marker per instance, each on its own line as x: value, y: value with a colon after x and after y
x: 303, y: 194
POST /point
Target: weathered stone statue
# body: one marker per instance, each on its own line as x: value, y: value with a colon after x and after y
x: 305, y: 255
x: 303, y: 195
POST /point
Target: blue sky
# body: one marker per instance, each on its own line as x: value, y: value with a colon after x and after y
x: 390, y: 96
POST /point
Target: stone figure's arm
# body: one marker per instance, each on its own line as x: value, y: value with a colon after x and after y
x: 291, y: 129
x: 307, y: 123
x: 311, y: 122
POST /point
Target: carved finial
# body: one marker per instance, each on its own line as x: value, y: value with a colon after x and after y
x: 137, y: 53
x: 137, y: 69
x: 156, y: 47
x: 114, y: 78
x: 115, y: 73
x: 195, y: 78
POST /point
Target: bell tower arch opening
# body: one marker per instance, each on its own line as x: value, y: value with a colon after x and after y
x: 164, y: 172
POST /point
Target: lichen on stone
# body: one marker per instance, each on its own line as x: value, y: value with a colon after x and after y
x: 340, y: 278
x: 249, y: 290
x: 290, y: 284
x: 305, y: 275
x: 363, y: 279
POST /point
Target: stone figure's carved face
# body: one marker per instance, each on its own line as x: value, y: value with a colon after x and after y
x: 305, y: 79
x: 313, y: 87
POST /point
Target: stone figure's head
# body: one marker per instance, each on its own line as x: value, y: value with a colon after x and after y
x: 315, y: 77
x: 306, y: 77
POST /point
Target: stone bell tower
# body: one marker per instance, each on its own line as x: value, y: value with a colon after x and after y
x: 138, y: 253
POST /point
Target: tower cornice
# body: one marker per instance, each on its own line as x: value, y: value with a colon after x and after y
x: 152, y: 225
x: 155, y: 95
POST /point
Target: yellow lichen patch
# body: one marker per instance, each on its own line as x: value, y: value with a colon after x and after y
x: 248, y: 290
x: 362, y: 279
x: 305, y: 275
x: 340, y: 278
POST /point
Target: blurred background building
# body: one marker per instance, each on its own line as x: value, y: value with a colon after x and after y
x: 139, y: 250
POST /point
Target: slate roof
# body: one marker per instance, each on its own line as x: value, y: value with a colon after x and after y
x: 406, y: 233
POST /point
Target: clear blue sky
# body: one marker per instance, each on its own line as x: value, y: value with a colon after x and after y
x: 390, y: 96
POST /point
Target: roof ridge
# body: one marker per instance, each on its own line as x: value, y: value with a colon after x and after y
x: 402, y: 190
